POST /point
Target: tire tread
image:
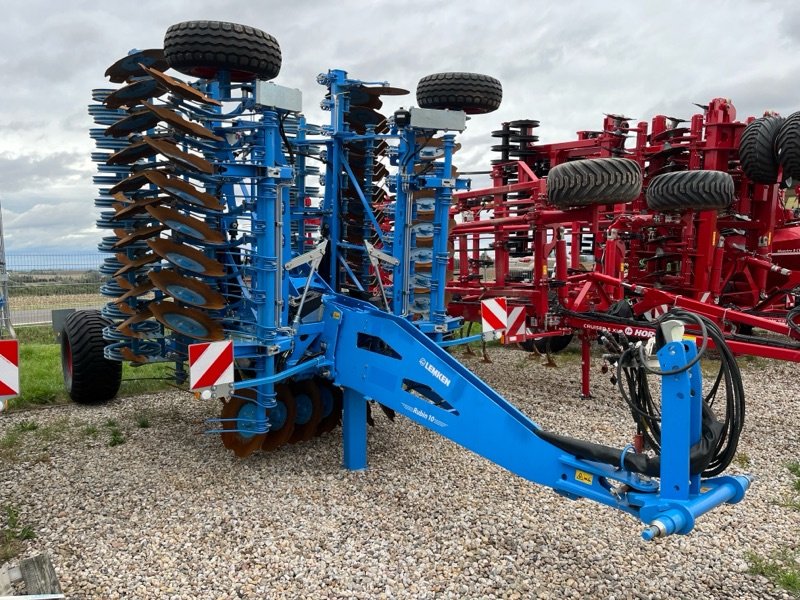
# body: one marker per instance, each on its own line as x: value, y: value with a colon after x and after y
x: 473, y: 93
x: 690, y: 190
x: 594, y: 181
x: 95, y: 379
x: 193, y: 47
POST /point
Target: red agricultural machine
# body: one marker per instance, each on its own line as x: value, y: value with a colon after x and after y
x: 598, y: 234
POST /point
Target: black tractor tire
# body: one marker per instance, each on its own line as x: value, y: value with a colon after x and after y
x: 757, y: 151
x: 690, y: 190
x: 787, y: 145
x: 203, y: 48
x: 548, y: 345
x: 594, y: 181
x: 473, y: 93
x: 89, y: 377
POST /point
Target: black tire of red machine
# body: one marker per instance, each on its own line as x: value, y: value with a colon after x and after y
x: 787, y: 146
x: 594, y: 181
x: 690, y: 190
x: 758, y: 152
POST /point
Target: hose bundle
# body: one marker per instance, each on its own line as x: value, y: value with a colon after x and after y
x: 720, y: 438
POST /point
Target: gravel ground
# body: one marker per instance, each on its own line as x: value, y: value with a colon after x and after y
x: 171, y: 514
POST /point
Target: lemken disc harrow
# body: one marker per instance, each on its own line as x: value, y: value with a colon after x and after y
x: 300, y: 270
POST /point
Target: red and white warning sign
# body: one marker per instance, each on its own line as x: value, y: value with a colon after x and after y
x: 516, y: 324
x: 494, y: 314
x: 210, y: 364
x: 9, y: 371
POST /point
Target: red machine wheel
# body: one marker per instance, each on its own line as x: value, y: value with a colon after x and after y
x: 757, y: 151
x: 690, y: 190
x: 787, y: 145
x: 594, y: 181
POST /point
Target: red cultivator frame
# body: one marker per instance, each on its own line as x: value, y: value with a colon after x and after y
x: 692, y: 215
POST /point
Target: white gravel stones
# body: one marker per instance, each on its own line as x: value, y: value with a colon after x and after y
x: 171, y: 514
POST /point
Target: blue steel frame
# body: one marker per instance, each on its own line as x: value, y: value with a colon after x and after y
x: 382, y: 356
x: 411, y: 374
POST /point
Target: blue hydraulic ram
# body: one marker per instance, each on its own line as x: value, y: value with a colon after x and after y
x: 321, y: 251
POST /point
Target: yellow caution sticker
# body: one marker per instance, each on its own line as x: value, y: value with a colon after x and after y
x: 584, y: 477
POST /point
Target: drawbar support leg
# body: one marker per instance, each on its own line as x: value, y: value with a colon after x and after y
x: 354, y: 430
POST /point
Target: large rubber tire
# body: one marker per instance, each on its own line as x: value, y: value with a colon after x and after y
x: 88, y: 376
x: 787, y: 145
x: 203, y: 48
x: 757, y: 151
x: 471, y: 92
x: 594, y: 181
x: 690, y: 190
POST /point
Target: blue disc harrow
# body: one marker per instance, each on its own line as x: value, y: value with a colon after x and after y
x: 321, y: 251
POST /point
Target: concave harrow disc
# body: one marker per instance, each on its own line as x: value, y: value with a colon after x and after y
x: 309, y: 411
x: 133, y: 264
x: 242, y: 408
x: 180, y: 189
x: 144, y: 233
x: 178, y: 122
x: 187, y: 290
x: 134, y: 93
x: 190, y: 322
x: 136, y: 122
x: 186, y: 225
x: 149, y: 146
x: 131, y: 65
x: 331, y: 397
x: 187, y: 258
x: 178, y: 87
x: 281, y: 419
x: 126, y: 209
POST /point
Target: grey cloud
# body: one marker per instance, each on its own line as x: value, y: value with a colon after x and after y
x: 33, y: 172
x: 564, y: 63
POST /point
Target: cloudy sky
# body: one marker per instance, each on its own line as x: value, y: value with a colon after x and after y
x: 564, y: 63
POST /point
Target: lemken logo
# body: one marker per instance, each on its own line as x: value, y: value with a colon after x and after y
x: 434, y: 371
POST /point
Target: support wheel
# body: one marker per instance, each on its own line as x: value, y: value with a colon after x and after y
x: 89, y: 377
x: 787, y: 144
x: 203, y: 48
x: 594, y: 181
x: 757, y: 151
x: 471, y: 92
x: 690, y: 190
